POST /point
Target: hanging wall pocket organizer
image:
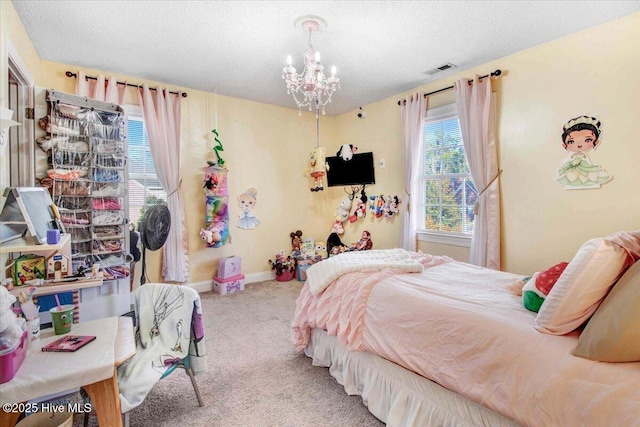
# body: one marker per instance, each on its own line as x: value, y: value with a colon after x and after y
x: 88, y: 164
x: 217, y: 206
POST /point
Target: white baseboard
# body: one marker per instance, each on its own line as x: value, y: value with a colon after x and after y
x: 207, y: 285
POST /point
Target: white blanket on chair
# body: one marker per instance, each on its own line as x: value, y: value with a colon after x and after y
x: 321, y: 274
x: 163, y: 334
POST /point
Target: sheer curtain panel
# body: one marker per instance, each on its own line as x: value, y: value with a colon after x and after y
x: 161, y: 111
x: 413, y: 111
x: 477, y: 126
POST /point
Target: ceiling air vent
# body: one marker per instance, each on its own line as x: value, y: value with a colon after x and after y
x: 439, y: 69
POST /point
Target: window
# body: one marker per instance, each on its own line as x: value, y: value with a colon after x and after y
x: 144, y: 188
x: 450, y: 194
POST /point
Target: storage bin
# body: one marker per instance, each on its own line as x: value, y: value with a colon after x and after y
x: 109, y: 160
x: 10, y: 362
x: 108, y: 189
x: 48, y: 419
x: 106, y: 146
x: 302, y: 272
x: 229, y: 285
x: 285, y: 276
x: 229, y: 267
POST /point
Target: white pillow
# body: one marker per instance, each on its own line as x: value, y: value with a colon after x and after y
x: 582, y: 286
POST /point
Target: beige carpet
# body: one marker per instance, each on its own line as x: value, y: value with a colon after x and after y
x: 255, y: 378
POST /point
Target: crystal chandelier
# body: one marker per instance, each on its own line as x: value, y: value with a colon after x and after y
x: 312, y: 88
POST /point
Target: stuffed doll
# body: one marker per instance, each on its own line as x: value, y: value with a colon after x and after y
x: 296, y: 243
x: 394, y: 205
x: 365, y: 243
x: 343, y: 209
x: 320, y: 251
x: 10, y: 324
x: 211, y: 235
x: 361, y: 208
x: 386, y: 208
x: 307, y: 247
x: 337, y: 227
x: 335, y: 245
x: 379, y: 206
x: 346, y: 152
x: 319, y: 167
x: 359, y: 212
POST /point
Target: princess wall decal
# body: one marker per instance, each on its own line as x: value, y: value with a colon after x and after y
x: 580, y: 135
x: 247, y: 202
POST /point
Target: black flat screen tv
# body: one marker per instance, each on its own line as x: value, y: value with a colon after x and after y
x: 357, y: 171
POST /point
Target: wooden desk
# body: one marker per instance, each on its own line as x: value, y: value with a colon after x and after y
x: 104, y: 394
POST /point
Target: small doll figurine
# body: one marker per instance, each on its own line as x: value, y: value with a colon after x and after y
x: 319, y: 167
x: 296, y: 243
x: 365, y: 242
x: 247, y: 202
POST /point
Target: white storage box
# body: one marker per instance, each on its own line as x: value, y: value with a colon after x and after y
x: 228, y: 286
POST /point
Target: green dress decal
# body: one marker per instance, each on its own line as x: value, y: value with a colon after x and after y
x: 580, y: 135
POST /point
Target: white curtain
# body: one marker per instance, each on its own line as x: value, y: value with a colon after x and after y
x: 477, y: 125
x: 100, y: 88
x: 161, y: 111
x: 413, y: 111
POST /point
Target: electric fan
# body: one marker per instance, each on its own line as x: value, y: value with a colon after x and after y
x: 154, y: 230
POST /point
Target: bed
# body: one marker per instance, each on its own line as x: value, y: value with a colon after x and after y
x: 426, y: 340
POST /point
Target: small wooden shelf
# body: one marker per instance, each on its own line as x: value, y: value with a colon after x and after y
x: 57, y: 287
x: 27, y: 244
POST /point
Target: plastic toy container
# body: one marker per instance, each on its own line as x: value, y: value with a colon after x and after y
x: 229, y: 285
x: 11, y: 360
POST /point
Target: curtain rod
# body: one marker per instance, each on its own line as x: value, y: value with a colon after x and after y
x: 70, y: 74
x: 496, y: 73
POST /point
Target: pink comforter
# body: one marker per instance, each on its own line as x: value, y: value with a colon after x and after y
x: 457, y: 325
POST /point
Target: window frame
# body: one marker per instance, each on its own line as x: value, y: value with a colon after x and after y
x: 441, y: 237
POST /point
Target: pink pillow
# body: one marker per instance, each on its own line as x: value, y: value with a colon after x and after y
x: 582, y: 286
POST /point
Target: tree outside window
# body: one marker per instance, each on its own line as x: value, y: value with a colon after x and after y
x: 450, y: 194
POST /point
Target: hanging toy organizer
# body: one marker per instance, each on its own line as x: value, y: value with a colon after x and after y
x: 216, y: 231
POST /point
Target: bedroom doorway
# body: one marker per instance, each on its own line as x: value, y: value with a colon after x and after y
x: 20, y: 99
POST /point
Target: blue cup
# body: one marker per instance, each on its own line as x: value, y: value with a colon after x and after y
x: 53, y: 236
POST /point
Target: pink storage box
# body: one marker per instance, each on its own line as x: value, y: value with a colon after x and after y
x: 10, y: 362
x: 228, y: 286
x: 229, y: 267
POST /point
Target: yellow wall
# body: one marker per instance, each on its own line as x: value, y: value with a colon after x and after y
x: 595, y: 71
x: 267, y: 147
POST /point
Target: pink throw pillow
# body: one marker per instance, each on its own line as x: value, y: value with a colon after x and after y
x: 582, y: 286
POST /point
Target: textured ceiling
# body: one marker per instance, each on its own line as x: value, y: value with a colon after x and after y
x: 238, y: 48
